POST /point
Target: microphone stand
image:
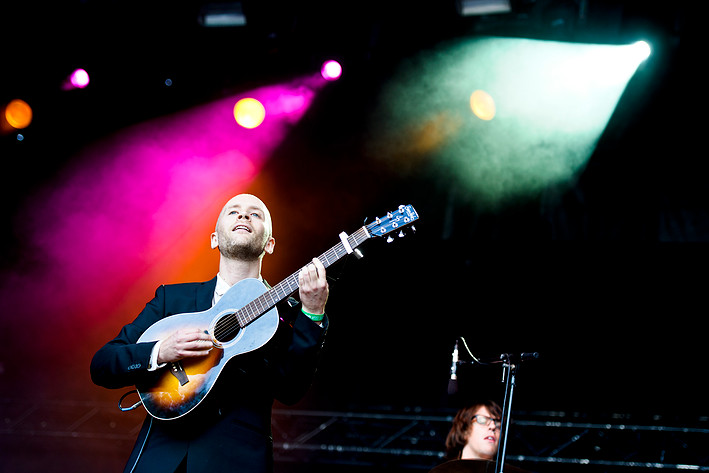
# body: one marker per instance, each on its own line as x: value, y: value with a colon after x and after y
x: 509, y: 372
x: 510, y: 364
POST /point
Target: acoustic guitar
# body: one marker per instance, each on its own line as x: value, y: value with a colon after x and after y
x: 243, y: 320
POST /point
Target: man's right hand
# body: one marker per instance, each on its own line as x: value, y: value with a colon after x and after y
x: 185, y: 343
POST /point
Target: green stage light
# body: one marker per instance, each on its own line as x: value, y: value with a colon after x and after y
x: 501, y: 118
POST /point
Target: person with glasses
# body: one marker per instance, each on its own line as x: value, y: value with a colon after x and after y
x: 475, y: 433
x: 471, y: 444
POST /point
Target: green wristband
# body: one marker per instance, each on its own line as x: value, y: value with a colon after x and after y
x: 313, y: 317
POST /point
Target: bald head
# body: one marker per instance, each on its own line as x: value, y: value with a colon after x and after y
x: 244, y: 230
x: 248, y: 203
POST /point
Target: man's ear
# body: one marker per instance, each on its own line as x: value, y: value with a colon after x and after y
x: 270, y: 245
x: 214, y: 240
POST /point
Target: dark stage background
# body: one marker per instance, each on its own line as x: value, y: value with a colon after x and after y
x: 604, y: 275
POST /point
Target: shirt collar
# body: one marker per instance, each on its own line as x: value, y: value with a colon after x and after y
x: 222, y: 287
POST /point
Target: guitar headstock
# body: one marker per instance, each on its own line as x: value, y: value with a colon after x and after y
x: 393, y: 220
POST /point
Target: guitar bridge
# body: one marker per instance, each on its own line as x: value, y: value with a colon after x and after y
x: 178, y: 372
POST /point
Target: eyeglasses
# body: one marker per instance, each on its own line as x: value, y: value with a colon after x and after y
x: 485, y: 420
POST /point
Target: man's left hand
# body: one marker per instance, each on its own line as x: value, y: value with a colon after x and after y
x: 314, y: 288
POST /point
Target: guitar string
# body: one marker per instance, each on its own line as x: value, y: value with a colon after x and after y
x: 230, y: 323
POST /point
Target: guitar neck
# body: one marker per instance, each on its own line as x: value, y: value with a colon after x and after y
x: 289, y: 285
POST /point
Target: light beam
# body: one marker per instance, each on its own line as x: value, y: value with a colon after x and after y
x: 551, y: 103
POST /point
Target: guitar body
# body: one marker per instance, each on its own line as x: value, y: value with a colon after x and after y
x: 181, y: 386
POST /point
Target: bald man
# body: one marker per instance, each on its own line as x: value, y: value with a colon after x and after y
x: 231, y: 429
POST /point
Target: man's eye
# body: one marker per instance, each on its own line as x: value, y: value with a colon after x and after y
x: 255, y: 214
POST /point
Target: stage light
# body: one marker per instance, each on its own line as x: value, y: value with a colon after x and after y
x: 79, y: 78
x: 641, y: 50
x: 482, y: 7
x: 227, y: 14
x: 331, y: 70
x: 249, y: 112
x: 18, y: 114
x: 552, y: 101
x: 482, y: 105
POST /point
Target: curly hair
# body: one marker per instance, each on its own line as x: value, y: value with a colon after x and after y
x: 458, y: 434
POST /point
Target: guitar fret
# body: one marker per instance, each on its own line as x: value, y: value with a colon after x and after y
x: 253, y: 311
x: 243, y: 315
x: 268, y: 295
x: 327, y: 258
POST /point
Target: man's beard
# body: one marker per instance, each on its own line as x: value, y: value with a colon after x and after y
x: 248, y: 251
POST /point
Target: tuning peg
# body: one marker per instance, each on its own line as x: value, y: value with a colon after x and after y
x: 358, y: 253
x: 390, y: 239
x: 401, y: 234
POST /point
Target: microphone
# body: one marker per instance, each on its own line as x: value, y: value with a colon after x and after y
x: 513, y: 357
x: 453, y: 381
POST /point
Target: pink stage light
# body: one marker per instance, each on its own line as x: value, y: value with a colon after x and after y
x: 79, y: 78
x: 141, y: 202
x: 331, y: 70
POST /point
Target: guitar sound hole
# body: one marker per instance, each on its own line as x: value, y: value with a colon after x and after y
x: 226, y: 329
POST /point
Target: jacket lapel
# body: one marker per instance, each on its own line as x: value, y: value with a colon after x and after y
x: 204, y: 294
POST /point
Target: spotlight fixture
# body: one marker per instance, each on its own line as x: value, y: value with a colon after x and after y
x: 482, y: 7
x: 331, y: 70
x: 227, y: 14
x: 79, y: 78
x: 18, y: 114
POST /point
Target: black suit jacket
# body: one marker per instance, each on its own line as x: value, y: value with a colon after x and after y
x: 231, y: 428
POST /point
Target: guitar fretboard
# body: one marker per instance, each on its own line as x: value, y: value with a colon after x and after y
x: 283, y: 289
